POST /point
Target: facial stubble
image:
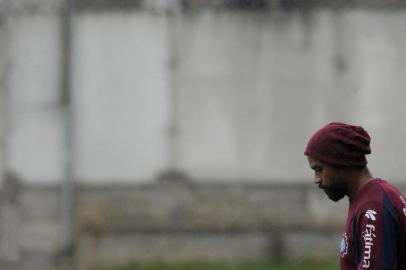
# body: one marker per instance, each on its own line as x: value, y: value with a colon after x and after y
x: 337, y: 190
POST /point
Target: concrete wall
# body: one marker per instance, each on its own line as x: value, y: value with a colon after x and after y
x: 30, y: 80
x: 253, y: 87
x: 229, y: 98
x: 175, y: 221
x: 170, y: 222
x: 218, y: 95
x: 120, y: 96
x: 235, y: 88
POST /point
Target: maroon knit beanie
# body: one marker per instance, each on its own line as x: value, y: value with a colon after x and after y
x: 339, y: 144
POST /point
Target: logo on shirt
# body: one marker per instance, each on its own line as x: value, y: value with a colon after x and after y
x: 369, y: 237
x: 343, y: 245
x: 371, y: 214
x: 402, y: 199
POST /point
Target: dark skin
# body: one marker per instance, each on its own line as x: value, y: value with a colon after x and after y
x: 337, y: 182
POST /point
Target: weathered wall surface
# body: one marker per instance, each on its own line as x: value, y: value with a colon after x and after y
x: 218, y: 95
x: 230, y: 98
x: 172, y: 222
x: 175, y: 222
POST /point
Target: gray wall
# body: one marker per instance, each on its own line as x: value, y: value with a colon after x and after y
x: 173, y: 221
x: 169, y: 222
x: 230, y: 95
x: 230, y: 98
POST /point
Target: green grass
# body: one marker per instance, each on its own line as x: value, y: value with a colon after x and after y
x: 207, y: 266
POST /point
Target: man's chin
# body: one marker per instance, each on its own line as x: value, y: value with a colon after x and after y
x: 334, y: 196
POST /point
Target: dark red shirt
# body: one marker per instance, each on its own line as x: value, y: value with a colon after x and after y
x: 375, y: 231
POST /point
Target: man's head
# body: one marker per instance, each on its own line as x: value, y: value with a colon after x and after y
x: 336, y: 153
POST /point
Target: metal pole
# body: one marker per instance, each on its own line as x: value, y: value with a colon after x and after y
x: 7, y: 252
x: 4, y: 88
x: 68, y: 185
x: 172, y: 20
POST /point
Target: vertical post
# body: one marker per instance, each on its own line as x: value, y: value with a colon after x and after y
x: 7, y: 253
x: 173, y: 170
x: 4, y: 73
x: 68, y: 185
x: 173, y: 63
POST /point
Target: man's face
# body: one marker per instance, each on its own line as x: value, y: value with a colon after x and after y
x: 331, y: 180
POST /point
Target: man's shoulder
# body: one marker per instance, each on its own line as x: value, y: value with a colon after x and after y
x: 378, y: 194
x: 376, y: 188
x: 373, y: 191
x: 371, y: 196
x: 388, y: 191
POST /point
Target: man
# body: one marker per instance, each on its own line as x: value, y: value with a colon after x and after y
x: 375, y: 231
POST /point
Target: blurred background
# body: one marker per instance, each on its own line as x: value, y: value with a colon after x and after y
x: 173, y: 131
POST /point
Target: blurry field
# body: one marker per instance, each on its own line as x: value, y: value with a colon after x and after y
x: 280, y: 266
